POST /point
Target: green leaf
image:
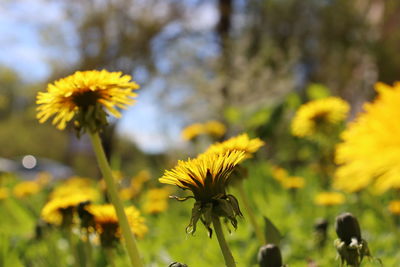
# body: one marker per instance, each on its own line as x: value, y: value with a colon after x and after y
x: 272, y: 234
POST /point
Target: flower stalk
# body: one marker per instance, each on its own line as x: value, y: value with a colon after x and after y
x: 229, y: 260
x: 130, y: 242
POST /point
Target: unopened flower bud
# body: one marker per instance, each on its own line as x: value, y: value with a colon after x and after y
x: 321, y: 227
x: 270, y: 256
x: 347, y: 228
x: 177, y: 264
x: 350, y: 246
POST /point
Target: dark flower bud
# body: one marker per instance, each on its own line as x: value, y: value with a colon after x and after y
x: 270, y: 256
x: 347, y: 228
x: 321, y: 225
x: 177, y: 264
x: 350, y: 246
x: 320, y: 234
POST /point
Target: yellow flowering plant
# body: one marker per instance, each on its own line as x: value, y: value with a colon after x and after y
x: 370, y: 152
x: 319, y: 117
x: 86, y: 98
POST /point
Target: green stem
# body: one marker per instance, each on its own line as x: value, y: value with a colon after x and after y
x: 130, y: 242
x: 71, y: 243
x: 250, y: 214
x: 229, y: 260
x: 110, y: 256
x: 89, y: 253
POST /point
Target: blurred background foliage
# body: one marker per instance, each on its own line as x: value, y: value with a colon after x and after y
x: 249, y: 64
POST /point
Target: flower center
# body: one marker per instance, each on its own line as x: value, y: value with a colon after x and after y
x: 320, y: 118
x: 86, y: 98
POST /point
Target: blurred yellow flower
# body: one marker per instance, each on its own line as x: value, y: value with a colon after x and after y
x: 26, y: 188
x: 61, y: 210
x: 66, y: 190
x: 156, y: 200
x: 85, y: 97
x: 106, y: 223
x: 370, y: 151
x: 318, y: 116
x: 126, y: 193
x: 43, y: 178
x: 394, y: 207
x: 136, y: 184
x: 214, y: 128
x: 139, y: 180
x: 238, y: 143
x: 192, y: 131
x: 293, y: 182
x: 77, y: 181
x: 279, y: 173
x: 3, y: 193
x: 329, y: 199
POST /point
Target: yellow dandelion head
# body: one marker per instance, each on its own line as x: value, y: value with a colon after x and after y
x: 214, y: 128
x: 206, y: 176
x: 318, y: 116
x: 329, y: 199
x: 239, y: 143
x: 293, y: 182
x: 279, y: 173
x: 61, y: 210
x: 3, y: 193
x: 66, y: 190
x: 106, y: 223
x: 43, y: 178
x: 156, y: 200
x: 374, y: 132
x: 26, y: 188
x: 85, y: 97
x: 192, y: 131
x: 77, y: 181
x: 394, y: 207
x: 138, y: 181
x: 126, y: 193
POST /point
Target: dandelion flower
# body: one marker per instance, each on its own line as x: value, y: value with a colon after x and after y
x: 3, y: 193
x: 293, y: 182
x: 43, y: 178
x: 61, y: 210
x: 156, y: 200
x: 192, y: 131
x: 239, y: 143
x: 279, y: 173
x: 394, y: 207
x: 86, y: 97
x: 106, y: 223
x: 370, y: 151
x: 329, y: 199
x: 207, y: 177
x: 26, y: 188
x: 318, y: 116
x: 214, y: 128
